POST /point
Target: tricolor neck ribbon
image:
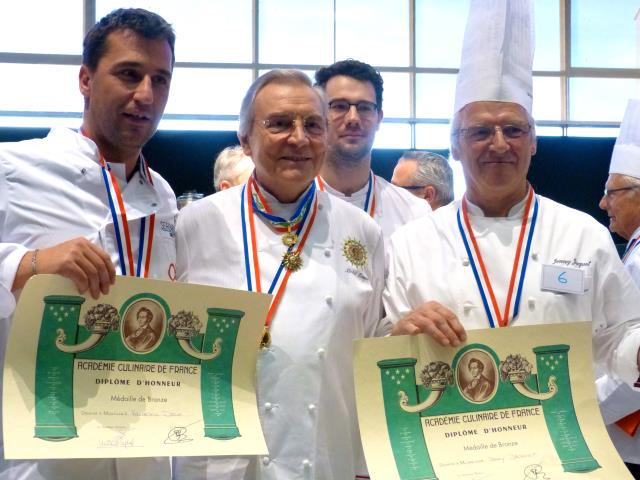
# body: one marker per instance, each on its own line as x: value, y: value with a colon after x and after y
x: 279, y: 224
x: 250, y: 242
x: 370, y: 199
x: 492, y: 309
x: 121, y: 224
x: 633, y: 244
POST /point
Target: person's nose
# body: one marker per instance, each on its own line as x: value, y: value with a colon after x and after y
x: 498, y: 141
x: 298, y: 135
x: 603, y: 202
x: 144, y: 91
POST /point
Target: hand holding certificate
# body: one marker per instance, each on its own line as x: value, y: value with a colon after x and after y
x: 152, y: 369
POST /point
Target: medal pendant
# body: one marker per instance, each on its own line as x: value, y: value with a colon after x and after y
x: 266, y: 338
x: 292, y: 261
x: 289, y: 239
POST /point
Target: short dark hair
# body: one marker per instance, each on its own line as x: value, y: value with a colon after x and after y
x: 354, y: 69
x: 147, y: 311
x: 476, y: 360
x: 143, y: 22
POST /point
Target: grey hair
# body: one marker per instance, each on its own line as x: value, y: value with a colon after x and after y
x: 225, y: 165
x: 433, y: 169
x: 632, y: 181
x: 455, y: 128
x: 278, y: 76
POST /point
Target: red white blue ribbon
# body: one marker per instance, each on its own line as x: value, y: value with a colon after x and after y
x: 631, y: 246
x: 139, y: 268
x: 250, y: 244
x: 370, y: 199
x: 492, y: 309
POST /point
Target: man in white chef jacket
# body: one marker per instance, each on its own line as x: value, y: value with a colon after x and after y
x: 618, y: 402
x: 65, y: 200
x: 353, y: 90
x: 452, y: 270
x: 321, y: 259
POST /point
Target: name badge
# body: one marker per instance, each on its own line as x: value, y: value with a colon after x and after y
x: 564, y: 279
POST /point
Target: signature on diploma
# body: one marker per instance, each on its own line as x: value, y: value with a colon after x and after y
x: 177, y: 435
x: 119, y: 441
x: 534, y: 472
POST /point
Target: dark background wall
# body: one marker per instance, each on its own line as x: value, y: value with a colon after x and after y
x: 569, y: 170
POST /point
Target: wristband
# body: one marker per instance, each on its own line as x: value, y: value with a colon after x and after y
x: 34, y: 262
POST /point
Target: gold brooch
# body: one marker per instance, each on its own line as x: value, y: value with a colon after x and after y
x: 289, y: 239
x: 354, y: 252
x: 292, y: 261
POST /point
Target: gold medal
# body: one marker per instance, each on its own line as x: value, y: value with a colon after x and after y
x: 266, y: 338
x: 355, y: 252
x: 290, y: 239
x: 292, y: 261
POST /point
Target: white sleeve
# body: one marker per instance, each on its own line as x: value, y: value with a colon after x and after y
x: 395, y: 300
x: 10, y: 254
x: 616, y: 316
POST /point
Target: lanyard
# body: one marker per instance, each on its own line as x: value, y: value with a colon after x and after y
x: 252, y: 263
x: 475, y: 258
x: 121, y: 224
x: 370, y: 199
x: 633, y: 244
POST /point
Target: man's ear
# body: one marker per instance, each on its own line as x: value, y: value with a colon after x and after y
x: 84, y: 81
x: 244, y: 143
x: 224, y: 184
x: 534, y: 146
x: 430, y: 193
x: 380, y: 117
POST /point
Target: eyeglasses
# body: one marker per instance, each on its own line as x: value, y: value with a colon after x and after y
x: 411, y: 187
x: 482, y: 133
x: 365, y: 109
x: 609, y: 192
x: 313, y: 126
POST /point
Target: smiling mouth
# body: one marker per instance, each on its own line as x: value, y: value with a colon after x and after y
x: 137, y: 117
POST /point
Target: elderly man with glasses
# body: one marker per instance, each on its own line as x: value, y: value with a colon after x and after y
x: 353, y: 90
x: 323, y: 262
x: 504, y: 255
x: 620, y: 405
x: 425, y: 175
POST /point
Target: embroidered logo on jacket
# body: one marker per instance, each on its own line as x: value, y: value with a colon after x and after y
x: 354, y: 252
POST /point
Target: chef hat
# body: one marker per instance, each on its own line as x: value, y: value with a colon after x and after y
x: 626, y: 152
x: 497, y: 54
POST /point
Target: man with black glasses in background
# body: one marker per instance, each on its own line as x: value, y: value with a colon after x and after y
x: 353, y: 91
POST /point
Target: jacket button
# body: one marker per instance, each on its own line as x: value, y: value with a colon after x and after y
x: 534, y: 256
x: 266, y: 461
x: 311, y: 407
x: 268, y: 406
x: 329, y: 300
x: 306, y: 464
x: 532, y: 302
x: 465, y: 262
x: 327, y: 252
x: 321, y: 352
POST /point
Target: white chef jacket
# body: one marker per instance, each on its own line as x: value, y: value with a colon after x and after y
x: 51, y: 191
x: 394, y: 205
x: 429, y: 262
x: 305, y: 388
x: 617, y: 399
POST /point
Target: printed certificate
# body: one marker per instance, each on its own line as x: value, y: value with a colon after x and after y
x: 153, y: 368
x: 516, y: 403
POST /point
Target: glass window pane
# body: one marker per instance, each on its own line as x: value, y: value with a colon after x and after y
x: 24, y: 89
x: 433, y: 136
x: 592, y: 132
x: 435, y: 95
x: 40, y: 122
x: 207, y: 125
x: 599, y: 99
x: 439, y: 32
x: 547, y: 98
x: 548, y: 131
x: 547, y: 18
x: 393, y: 135
x: 372, y: 31
x: 208, y: 91
x: 395, y: 97
x: 27, y: 27
x: 295, y: 32
x: 603, y: 34
x: 206, y: 31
